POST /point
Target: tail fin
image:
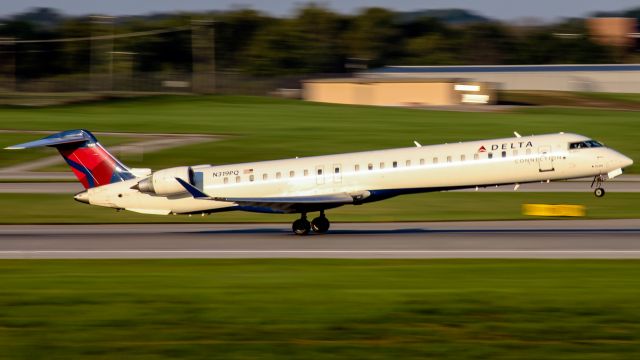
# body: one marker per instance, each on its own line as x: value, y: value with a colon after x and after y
x: 91, y: 163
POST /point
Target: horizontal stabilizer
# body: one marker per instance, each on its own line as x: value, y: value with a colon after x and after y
x: 65, y: 137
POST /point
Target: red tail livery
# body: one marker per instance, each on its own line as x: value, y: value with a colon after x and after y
x: 90, y: 162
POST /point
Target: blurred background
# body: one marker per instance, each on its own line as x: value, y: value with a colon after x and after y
x: 248, y: 51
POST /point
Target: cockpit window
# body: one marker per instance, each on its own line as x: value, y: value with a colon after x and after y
x: 585, y: 144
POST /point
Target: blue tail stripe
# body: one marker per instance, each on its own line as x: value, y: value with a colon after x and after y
x: 83, y: 170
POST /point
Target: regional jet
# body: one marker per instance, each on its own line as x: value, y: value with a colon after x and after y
x: 319, y: 183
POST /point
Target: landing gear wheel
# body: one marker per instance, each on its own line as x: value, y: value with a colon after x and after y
x: 599, y: 192
x: 301, y: 226
x: 320, y: 225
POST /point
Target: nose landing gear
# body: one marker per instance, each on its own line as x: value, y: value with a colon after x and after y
x: 598, y: 180
x: 319, y: 225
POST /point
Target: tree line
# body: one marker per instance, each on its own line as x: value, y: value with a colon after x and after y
x: 313, y: 40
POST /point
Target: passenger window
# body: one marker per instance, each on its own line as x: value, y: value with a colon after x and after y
x: 265, y: 176
x: 476, y: 156
x: 370, y: 166
x: 319, y: 171
x: 435, y: 160
x: 504, y: 154
x: 449, y: 159
x: 356, y: 167
x: 226, y: 180
x: 408, y: 163
x: 395, y: 164
x: 462, y: 157
x: 237, y: 179
x: 251, y: 178
x: 421, y: 161
x: 381, y: 165
x: 292, y: 173
x: 306, y: 172
x: 336, y: 170
x: 278, y: 175
x: 490, y: 155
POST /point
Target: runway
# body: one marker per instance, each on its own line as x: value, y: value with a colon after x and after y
x: 559, y: 239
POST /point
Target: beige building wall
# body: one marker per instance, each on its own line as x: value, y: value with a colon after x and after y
x: 414, y: 93
x: 382, y: 93
x: 338, y: 93
x: 612, y: 31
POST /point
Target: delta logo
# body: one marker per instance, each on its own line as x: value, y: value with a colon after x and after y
x: 506, y: 146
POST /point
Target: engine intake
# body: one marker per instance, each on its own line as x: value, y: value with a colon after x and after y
x: 164, y: 182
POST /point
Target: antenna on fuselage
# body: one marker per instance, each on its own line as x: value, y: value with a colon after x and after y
x: 516, y: 134
x: 417, y: 143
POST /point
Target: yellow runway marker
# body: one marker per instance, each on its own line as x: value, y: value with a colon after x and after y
x: 553, y: 210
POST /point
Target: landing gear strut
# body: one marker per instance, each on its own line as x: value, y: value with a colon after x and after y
x: 597, y: 181
x: 320, y: 224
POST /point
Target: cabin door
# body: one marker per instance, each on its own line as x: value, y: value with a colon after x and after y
x: 337, y: 173
x: 546, y: 162
x: 319, y: 174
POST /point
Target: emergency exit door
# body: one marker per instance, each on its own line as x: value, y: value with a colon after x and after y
x: 546, y: 160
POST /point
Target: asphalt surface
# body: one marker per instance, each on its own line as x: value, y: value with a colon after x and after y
x: 615, y: 239
x: 625, y: 183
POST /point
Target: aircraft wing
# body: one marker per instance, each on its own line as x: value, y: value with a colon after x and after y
x: 280, y: 203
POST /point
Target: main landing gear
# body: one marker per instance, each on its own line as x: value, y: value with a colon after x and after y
x: 319, y: 225
x: 598, y: 180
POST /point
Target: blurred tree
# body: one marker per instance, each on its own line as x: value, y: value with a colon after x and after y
x: 234, y: 32
x: 308, y: 43
x: 373, y: 35
x: 314, y: 40
x: 75, y: 55
x: 487, y: 43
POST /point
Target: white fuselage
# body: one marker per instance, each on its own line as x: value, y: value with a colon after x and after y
x: 376, y: 175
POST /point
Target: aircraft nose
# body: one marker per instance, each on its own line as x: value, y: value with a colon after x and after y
x: 626, y: 161
x: 82, y: 197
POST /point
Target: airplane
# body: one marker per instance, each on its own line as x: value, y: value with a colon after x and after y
x: 319, y: 183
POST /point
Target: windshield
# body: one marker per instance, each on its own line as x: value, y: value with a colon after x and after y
x: 585, y: 144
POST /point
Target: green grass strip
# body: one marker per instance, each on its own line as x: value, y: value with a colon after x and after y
x: 60, y: 208
x: 320, y: 309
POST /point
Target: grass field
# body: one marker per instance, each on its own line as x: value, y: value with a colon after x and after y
x: 46, y: 208
x: 320, y: 309
x: 265, y: 128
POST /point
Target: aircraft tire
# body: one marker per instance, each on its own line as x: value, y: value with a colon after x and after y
x: 301, y: 227
x: 320, y: 225
x: 599, y: 192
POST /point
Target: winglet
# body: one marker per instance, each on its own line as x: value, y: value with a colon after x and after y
x: 197, y: 194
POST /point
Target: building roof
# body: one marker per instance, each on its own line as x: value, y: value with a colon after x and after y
x: 504, y: 68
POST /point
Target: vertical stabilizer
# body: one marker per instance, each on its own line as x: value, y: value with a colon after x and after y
x: 92, y: 164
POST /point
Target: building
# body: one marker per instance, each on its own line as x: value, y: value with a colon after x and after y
x: 613, y: 31
x: 398, y: 91
x: 624, y: 78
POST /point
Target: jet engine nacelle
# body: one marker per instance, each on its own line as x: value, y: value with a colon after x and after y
x: 164, y: 182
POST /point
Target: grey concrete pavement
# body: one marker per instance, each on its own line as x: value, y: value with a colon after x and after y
x: 494, y: 239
